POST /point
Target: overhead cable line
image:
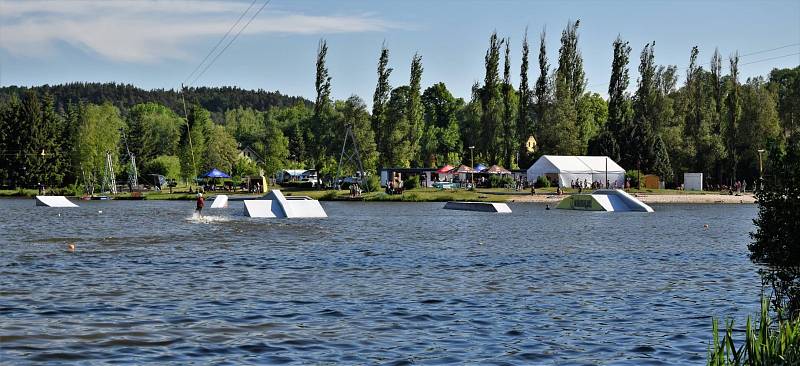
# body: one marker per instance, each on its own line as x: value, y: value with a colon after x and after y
x: 219, y: 42
x: 230, y: 42
x: 771, y: 49
x: 769, y: 59
x: 741, y: 64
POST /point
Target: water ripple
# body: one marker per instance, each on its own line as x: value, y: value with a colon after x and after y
x: 389, y: 284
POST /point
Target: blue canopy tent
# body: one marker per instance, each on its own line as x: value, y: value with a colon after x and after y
x: 479, y: 168
x: 215, y: 173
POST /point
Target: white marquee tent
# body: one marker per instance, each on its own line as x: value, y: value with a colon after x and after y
x: 567, y: 169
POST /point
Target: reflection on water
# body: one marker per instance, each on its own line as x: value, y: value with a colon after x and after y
x: 394, y: 283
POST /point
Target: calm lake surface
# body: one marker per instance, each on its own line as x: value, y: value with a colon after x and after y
x: 376, y: 283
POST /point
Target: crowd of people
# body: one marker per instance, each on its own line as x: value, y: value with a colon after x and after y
x: 580, y: 185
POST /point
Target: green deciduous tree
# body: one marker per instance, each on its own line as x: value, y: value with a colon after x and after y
x: 759, y: 126
x: 592, y: 115
x: 192, y: 145
x: 273, y: 145
x: 441, y: 143
x: 221, y: 151
x: 398, y: 129
x: 98, y: 133
x: 353, y: 112
x: 786, y: 85
x: 152, y: 130
x: 775, y: 241
x: 244, y: 124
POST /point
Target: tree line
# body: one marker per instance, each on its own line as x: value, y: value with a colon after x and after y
x: 713, y: 122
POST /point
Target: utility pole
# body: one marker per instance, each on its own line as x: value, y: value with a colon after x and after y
x: 760, y: 170
x: 472, y: 162
x: 189, y: 134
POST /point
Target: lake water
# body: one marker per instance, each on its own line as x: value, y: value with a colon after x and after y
x: 376, y: 283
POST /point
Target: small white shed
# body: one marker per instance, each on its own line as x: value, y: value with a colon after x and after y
x: 693, y: 181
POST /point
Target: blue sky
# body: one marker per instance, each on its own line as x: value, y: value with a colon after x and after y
x: 157, y: 44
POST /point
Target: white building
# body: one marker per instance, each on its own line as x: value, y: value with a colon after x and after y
x: 568, y: 169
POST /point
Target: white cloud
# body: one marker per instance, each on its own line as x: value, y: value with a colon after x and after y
x: 149, y: 31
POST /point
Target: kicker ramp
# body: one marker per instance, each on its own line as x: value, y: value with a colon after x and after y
x: 275, y: 204
x: 54, y: 201
x: 220, y: 201
x: 478, y: 206
x: 612, y: 200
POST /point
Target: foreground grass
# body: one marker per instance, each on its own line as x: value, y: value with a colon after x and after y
x: 767, y: 344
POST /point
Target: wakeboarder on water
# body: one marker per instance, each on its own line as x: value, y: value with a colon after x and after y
x: 200, y: 204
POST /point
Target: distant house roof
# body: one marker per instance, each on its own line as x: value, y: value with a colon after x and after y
x: 251, y: 154
x: 299, y: 172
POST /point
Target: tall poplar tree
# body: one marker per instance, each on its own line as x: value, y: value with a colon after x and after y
x: 524, y: 117
x: 563, y: 137
x: 613, y: 139
x: 716, y: 80
x: 379, y: 100
x: 416, y: 123
x: 641, y: 137
x: 542, y: 91
x: 321, y: 123
x: 491, y: 103
x: 732, y: 120
x: 509, y: 139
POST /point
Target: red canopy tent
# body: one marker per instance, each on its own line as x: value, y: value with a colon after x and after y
x: 496, y: 169
x: 465, y: 169
x: 445, y: 169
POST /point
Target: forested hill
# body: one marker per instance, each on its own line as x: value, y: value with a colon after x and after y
x: 124, y: 96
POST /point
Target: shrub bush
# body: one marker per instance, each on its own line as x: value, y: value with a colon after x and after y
x: 633, y: 175
x: 372, y: 184
x: 166, y: 165
x: 500, y: 181
x: 542, y: 182
x: 303, y: 185
x: 411, y: 182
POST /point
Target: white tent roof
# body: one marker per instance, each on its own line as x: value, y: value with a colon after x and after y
x: 554, y: 164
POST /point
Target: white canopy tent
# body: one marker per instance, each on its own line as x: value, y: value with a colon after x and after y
x: 567, y: 169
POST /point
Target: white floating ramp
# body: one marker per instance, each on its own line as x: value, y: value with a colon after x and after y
x: 604, y: 200
x: 220, y: 201
x: 478, y: 206
x: 54, y: 201
x: 258, y: 208
x: 275, y: 204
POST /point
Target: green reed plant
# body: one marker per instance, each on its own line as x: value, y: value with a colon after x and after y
x: 767, y: 344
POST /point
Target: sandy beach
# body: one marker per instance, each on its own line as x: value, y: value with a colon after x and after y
x: 651, y: 198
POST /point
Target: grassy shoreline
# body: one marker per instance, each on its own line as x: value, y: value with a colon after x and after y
x: 427, y: 195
